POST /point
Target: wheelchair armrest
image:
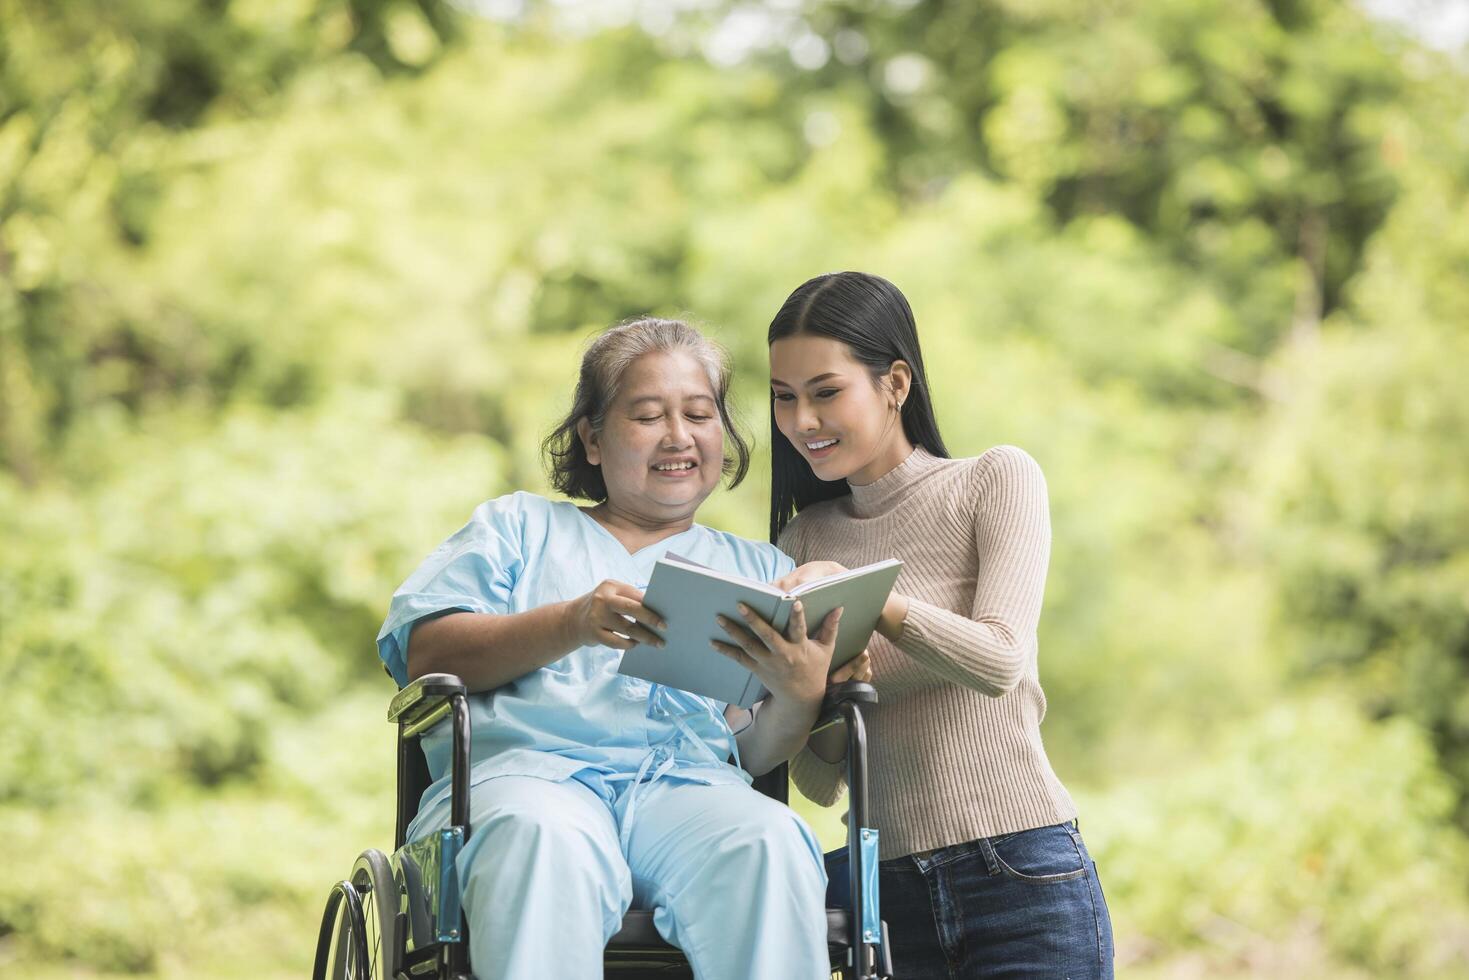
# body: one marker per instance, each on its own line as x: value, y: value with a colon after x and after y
x: 425, y: 697
x: 420, y: 706
x: 847, y: 692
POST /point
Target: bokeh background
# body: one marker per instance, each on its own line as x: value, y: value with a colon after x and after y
x: 286, y: 288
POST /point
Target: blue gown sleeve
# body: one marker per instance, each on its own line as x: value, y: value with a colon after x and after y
x: 475, y: 570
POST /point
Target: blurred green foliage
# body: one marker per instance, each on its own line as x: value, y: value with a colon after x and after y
x: 287, y: 289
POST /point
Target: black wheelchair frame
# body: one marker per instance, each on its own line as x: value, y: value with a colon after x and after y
x: 399, y: 916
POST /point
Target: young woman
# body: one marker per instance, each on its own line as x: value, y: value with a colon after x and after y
x: 592, y: 790
x: 983, y: 872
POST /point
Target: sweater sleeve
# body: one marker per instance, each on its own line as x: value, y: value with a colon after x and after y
x: 987, y: 650
x: 819, y: 781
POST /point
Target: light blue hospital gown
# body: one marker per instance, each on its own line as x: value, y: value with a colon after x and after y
x: 592, y: 790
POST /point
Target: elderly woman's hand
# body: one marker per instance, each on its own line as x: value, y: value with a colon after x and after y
x: 793, y: 666
x: 613, y: 615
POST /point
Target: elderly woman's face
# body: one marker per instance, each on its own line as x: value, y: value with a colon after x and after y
x: 661, y: 445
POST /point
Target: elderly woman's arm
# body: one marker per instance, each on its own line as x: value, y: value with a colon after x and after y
x: 487, y: 650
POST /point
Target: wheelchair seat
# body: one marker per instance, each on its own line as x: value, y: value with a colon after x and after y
x: 398, y: 916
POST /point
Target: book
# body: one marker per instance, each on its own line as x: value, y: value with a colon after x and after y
x: 688, y: 596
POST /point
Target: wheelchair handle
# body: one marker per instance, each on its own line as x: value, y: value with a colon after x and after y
x: 845, y: 693
x: 844, y: 704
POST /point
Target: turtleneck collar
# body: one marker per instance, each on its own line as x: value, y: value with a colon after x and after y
x: 881, y: 494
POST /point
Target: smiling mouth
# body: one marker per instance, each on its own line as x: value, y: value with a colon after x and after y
x: 821, y: 444
x: 674, y: 467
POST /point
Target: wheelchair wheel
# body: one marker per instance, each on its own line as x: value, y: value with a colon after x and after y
x: 358, y: 939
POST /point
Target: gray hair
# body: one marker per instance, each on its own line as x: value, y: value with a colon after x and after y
x: 603, y: 367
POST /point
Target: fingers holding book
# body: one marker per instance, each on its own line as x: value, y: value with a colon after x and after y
x: 812, y: 571
x: 613, y: 615
x: 792, y: 665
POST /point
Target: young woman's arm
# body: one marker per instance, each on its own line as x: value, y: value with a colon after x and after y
x: 778, y: 731
x: 988, y: 649
x: 830, y: 744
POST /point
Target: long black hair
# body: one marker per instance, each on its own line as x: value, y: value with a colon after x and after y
x: 872, y: 317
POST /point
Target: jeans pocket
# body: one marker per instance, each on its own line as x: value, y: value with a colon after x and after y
x: 1040, y: 856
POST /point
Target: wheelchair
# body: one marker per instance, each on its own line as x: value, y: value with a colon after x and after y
x: 398, y: 916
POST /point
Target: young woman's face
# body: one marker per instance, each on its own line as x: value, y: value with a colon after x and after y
x: 661, y: 444
x: 827, y: 405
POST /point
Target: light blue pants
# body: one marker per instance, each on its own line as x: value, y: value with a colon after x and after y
x: 733, y: 878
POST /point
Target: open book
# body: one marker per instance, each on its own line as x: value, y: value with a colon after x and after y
x: 688, y: 596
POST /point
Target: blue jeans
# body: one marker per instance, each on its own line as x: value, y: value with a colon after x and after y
x: 1021, y: 905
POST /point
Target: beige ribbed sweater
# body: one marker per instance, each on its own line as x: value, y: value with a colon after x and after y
x: 954, y: 743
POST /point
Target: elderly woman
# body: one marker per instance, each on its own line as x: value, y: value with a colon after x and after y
x: 592, y: 791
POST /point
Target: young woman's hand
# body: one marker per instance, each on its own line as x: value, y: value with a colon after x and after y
x: 613, y: 615
x: 859, y: 668
x: 808, y: 572
x: 793, y: 666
